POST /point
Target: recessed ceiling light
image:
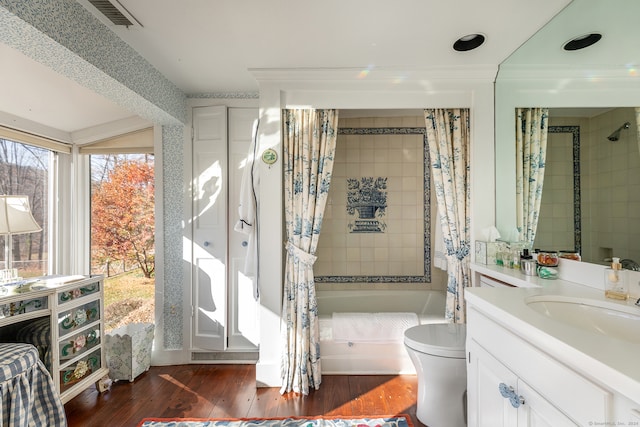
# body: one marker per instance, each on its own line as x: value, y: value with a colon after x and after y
x: 583, y: 41
x: 468, y: 42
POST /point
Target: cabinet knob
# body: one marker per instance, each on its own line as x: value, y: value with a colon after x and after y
x: 506, y: 391
x: 244, y: 243
x: 206, y: 244
x: 516, y: 401
x: 509, y: 393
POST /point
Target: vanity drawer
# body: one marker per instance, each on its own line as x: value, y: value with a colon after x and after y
x: 82, y: 291
x: 82, y: 368
x: 75, y: 318
x: 79, y: 343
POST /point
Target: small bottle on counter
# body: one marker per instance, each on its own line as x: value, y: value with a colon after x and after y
x: 615, y: 285
x: 516, y: 259
x: 527, y: 263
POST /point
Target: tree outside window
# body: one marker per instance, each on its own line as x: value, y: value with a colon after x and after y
x: 24, y: 170
x: 122, y: 214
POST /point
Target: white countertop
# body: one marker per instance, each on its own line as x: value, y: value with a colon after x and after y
x: 511, y: 276
x: 611, y: 362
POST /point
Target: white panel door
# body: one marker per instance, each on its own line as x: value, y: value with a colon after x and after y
x: 243, y: 309
x: 487, y: 407
x: 539, y: 412
x: 209, y: 226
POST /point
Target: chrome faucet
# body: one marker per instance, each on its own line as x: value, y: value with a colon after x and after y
x: 629, y: 264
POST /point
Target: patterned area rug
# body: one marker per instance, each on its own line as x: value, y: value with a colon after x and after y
x: 378, y: 421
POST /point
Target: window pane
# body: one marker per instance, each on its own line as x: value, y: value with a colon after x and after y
x: 24, y: 170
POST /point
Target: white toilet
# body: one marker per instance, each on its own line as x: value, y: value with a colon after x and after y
x: 438, y: 354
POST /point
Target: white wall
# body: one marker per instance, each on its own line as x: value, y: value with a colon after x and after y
x: 437, y: 88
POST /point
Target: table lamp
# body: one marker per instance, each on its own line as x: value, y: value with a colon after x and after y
x: 15, y: 218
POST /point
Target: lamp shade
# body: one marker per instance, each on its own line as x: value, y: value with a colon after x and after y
x: 16, y: 217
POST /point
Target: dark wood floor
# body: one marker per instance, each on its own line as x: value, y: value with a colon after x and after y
x: 229, y: 391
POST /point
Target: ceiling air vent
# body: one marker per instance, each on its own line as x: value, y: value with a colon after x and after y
x: 115, y: 12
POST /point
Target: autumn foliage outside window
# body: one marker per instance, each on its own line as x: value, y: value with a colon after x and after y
x: 122, y: 215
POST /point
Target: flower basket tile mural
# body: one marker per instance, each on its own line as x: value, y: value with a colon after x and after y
x: 367, y: 200
x: 376, y: 227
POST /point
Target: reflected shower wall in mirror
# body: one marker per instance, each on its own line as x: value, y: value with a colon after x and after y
x: 560, y: 218
x: 606, y: 202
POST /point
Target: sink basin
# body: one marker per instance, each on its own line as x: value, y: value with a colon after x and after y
x: 612, y: 319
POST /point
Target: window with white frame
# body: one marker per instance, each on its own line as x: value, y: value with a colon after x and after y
x: 26, y: 170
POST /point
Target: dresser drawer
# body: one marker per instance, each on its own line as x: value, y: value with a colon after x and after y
x: 82, y: 368
x: 80, y: 343
x: 28, y: 305
x: 77, y: 317
x: 78, y: 292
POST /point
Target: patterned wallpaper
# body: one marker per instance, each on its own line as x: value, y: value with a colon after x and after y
x: 173, y: 172
x: 67, y: 38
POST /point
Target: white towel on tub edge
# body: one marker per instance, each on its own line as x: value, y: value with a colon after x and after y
x: 372, y: 327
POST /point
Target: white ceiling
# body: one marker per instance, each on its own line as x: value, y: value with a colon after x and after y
x: 206, y: 46
x: 209, y: 46
x: 37, y: 93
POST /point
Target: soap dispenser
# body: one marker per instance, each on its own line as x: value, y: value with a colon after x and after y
x: 615, y: 284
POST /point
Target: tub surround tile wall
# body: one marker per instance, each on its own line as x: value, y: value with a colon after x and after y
x: 613, y: 186
x: 394, y: 257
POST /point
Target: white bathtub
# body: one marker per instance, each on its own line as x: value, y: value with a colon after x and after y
x: 388, y: 358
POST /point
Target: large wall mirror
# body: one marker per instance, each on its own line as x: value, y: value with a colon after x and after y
x: 592, y: 194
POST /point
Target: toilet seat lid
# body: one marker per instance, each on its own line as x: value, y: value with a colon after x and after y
x: 438, y: 339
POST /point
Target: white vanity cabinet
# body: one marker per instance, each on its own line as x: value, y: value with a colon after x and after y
x: 501, y: 398
x: 530, y: 368
x: 628, y: 411
x: 512, y: 383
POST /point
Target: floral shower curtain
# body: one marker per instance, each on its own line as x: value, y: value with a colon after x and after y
x: 531, y: 154
x: 309, y: 139
x: 448, y: 137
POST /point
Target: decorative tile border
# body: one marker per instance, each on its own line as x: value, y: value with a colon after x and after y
x: 426, y: 278
x: 577, y: 210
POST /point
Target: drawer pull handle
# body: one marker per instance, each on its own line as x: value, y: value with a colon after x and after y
x: 509, y: 393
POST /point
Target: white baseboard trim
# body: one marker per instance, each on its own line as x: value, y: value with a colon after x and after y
x: 268, y: 375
